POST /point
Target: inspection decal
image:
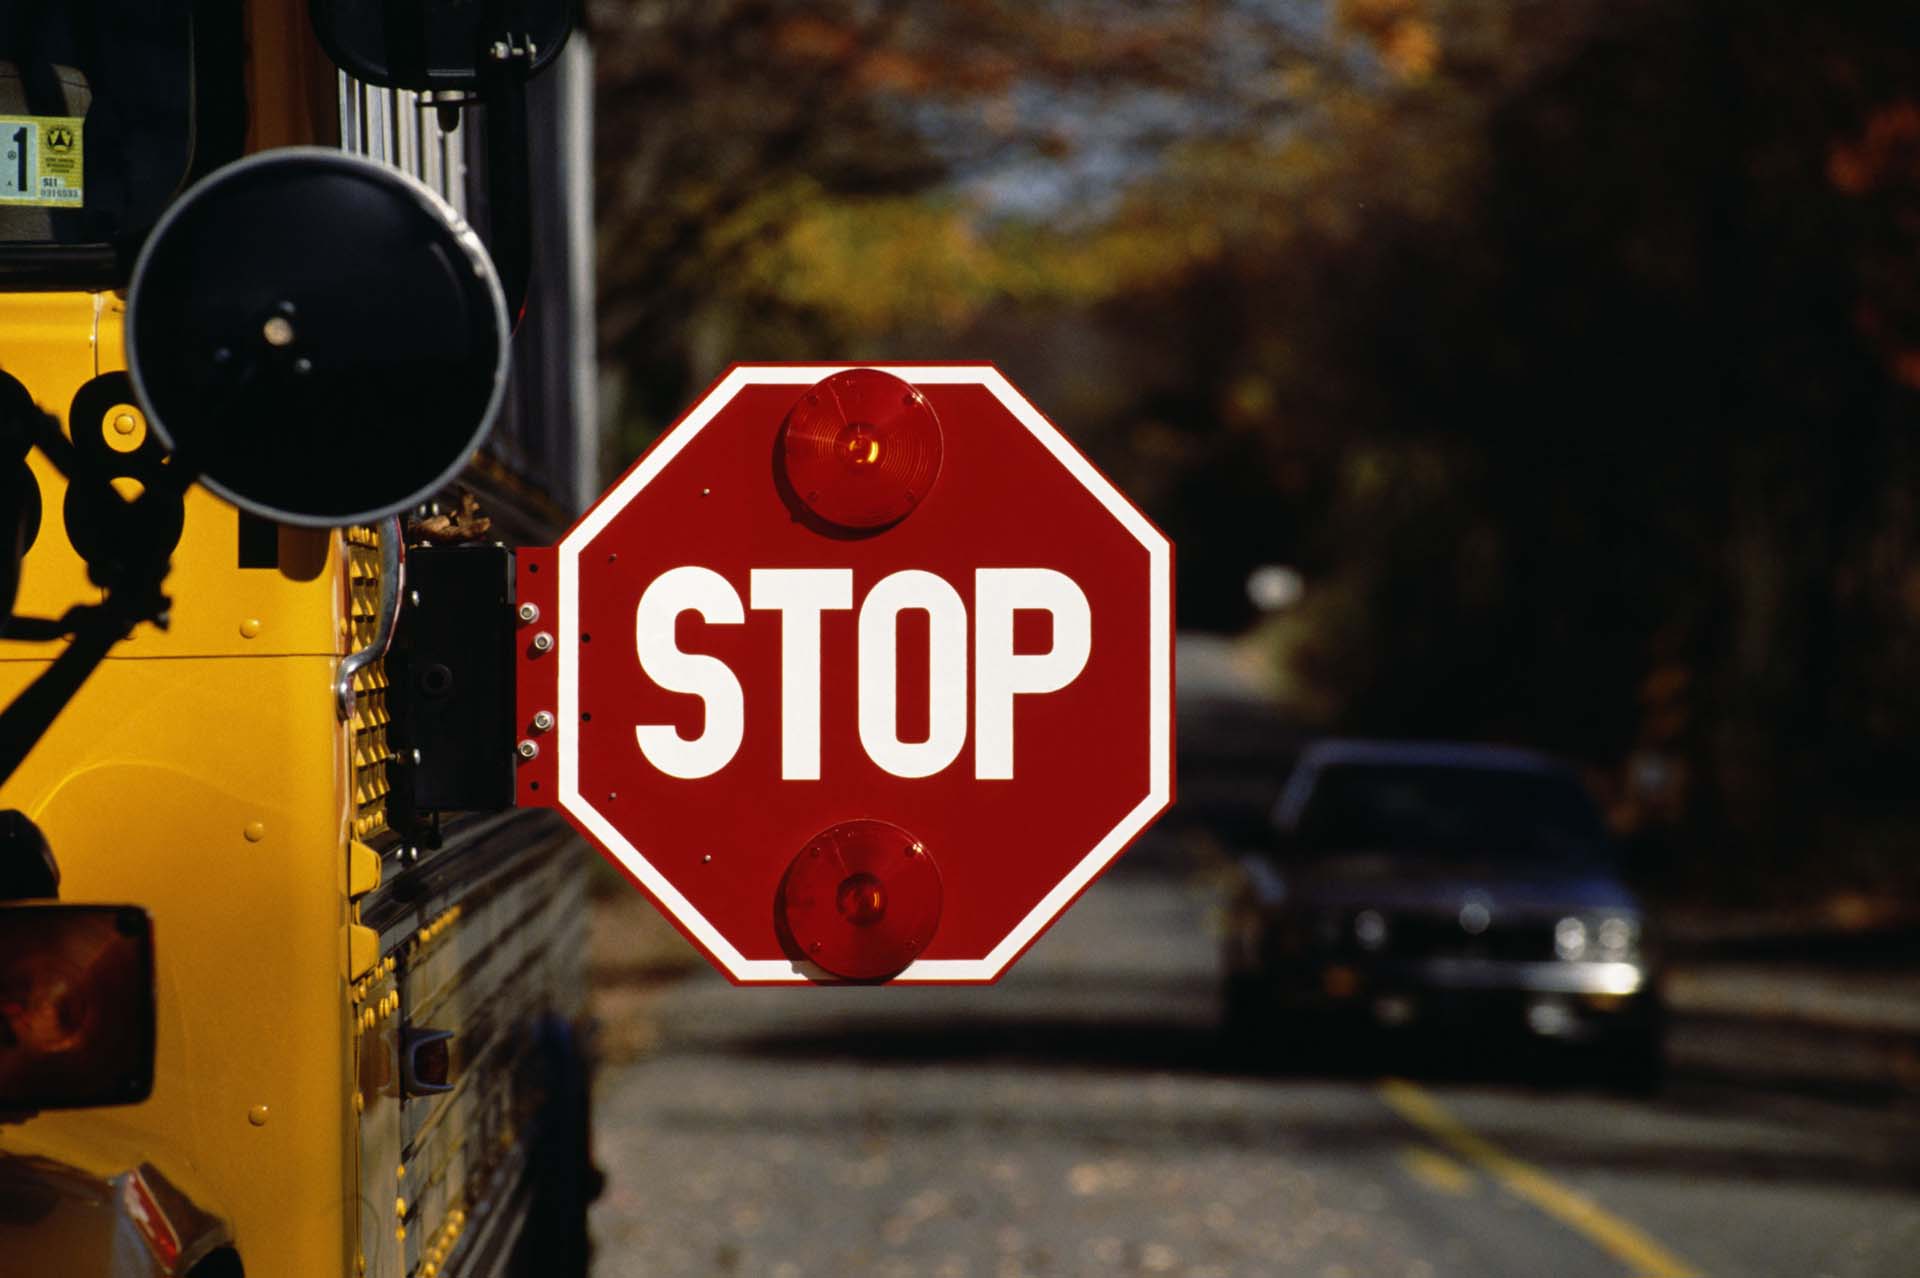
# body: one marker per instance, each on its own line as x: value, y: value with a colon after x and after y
x: 40, y: 160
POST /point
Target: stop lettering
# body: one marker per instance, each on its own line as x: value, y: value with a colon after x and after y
x: 800, y: 596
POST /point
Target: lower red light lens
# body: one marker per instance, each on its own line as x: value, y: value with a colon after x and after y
x: 861, y: 900
x: 861, y: 449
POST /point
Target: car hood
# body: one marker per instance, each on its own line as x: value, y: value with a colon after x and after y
x: 1423, y: 882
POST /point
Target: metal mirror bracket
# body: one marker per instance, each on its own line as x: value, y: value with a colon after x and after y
x: 393, y: 571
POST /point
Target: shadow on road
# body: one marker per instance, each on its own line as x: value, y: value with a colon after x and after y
x: 1046, y: 1046
x: 1152, y: 1047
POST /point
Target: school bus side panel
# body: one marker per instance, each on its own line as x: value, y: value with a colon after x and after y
x: 201, y: 774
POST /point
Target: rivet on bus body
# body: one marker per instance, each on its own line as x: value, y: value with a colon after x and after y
x: 529, y: 612
x: 255, y: 831
x: 257, y: 1115
x: 543, y: 721
x: 543, y: 642
x: 250, y: 628
x: 529, y: 750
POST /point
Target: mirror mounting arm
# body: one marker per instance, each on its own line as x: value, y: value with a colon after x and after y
x: 133, y: 582
x: 507, y: 65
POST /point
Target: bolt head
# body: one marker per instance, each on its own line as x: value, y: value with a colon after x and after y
x: 543, y: 642
x: 529, y: 612
x: 542, y: 721
x: 529, y: 750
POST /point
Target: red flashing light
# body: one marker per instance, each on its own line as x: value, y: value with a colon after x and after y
x: 861, y: 449
x: 861, y: 900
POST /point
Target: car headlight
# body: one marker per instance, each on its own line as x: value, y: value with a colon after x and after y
x: 1610, y: 938
x: 1616, y: 936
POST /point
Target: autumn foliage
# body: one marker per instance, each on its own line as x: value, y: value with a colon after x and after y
x: 1571, y: 350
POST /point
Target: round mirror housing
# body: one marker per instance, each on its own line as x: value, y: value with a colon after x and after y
x: 318, y: 338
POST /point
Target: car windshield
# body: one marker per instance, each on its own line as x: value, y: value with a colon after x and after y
x: 1484, y: 813
x: 97, y: 110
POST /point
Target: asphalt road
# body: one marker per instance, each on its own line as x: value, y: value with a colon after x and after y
x: 1080, y: 1119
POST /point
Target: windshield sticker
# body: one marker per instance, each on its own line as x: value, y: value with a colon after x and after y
x: 40, y: 160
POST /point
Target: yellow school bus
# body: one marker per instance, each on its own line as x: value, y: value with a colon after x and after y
x: 287, y: 986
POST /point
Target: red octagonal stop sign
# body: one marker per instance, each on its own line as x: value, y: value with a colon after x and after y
x: 859, y: 673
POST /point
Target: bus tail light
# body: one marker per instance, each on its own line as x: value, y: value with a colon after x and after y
x: 76, y: 1006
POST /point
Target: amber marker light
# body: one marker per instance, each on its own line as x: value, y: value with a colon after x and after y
x: 861, y: 449
x: 861, y: 900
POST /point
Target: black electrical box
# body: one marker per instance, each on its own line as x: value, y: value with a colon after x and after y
x: 450, y: 685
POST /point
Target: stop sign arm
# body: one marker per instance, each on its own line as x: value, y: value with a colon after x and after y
x: 536, y: 675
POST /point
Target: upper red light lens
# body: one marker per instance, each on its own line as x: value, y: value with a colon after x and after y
x: 861, y: 449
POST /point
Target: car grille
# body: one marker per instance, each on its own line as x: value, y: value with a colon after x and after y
x: 1431, y: 937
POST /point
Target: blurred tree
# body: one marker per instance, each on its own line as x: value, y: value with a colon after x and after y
x: 1569, y: 347
x: 762, y: 166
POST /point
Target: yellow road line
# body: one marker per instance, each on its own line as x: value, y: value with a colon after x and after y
x: 1436, y: 1171
x: 1647, y: 1258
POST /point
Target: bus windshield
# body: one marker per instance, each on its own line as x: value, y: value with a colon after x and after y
x: 97, y: 116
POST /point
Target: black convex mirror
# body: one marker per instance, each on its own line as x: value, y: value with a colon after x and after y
x: 439, y: 45
x: 76, y: 1006
x: 318, y: 338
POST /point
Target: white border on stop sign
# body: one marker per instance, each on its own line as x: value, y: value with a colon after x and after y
x: 1159, y: 663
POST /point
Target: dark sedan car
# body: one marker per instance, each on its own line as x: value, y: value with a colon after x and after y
x: 1442, y: 884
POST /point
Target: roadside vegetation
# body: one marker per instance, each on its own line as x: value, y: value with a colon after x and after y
x: 1570, y: 350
